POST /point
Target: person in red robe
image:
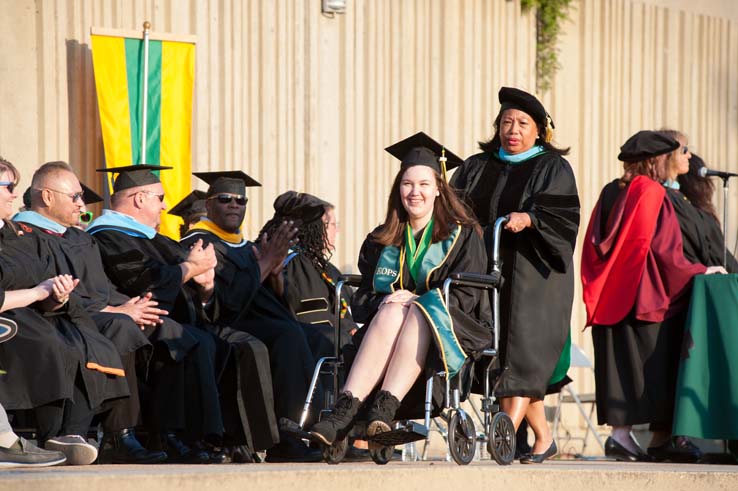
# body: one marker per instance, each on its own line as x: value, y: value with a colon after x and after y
x: 636, y: 284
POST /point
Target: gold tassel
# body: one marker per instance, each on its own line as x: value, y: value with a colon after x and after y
x: 442, y: 161
x: 549, y: 129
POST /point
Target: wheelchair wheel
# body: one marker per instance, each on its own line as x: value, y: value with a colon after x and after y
x: 501, y: 443
x: 334, y: 454
x: 381, y: 454
x: 462, y: 438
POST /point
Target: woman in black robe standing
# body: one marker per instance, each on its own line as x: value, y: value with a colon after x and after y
x: 427, y: 235
x: 520, y: 174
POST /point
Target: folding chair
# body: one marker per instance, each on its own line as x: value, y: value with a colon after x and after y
x: 569, y: 395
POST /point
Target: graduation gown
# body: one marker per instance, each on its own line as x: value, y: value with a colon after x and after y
x: 636, y: 284
x: 310, y: 295
x: 75, y: 253
x: 702, y: 236
x: 42, y: 361
x: 243, y: 303
x: 538, y: 280
x: 138, y: 264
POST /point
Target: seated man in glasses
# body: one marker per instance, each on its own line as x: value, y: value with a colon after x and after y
x: 248, y: 296
x: 53, y: 205
x: 139, y: 260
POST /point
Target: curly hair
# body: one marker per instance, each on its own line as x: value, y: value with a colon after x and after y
x: 313, y: 242
x: 653, y: 167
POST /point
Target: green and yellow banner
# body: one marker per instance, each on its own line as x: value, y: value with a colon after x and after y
x: 118, y: 61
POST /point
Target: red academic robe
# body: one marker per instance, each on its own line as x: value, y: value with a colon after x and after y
x: 637, y: 264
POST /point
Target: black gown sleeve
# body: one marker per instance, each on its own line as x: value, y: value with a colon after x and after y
x: 554, y: 209
x: 365, y: 302
x: 134, y: 270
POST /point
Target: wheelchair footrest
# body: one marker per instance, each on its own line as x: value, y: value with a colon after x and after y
x: 403, y: 432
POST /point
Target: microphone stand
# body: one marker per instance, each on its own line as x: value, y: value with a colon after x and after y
x: 725, y: 220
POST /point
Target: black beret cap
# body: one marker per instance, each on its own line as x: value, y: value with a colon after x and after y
x: 421, y: 149
x: 300, y: 207
x: 133, y: 176
x: 512, y: 98
x: 646, y: 144
x: 191, y: 204
x: 227, y: 181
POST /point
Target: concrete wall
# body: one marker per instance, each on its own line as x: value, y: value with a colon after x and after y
x: 304, y: 101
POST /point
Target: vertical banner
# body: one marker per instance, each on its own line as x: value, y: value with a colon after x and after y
x: 119, y: 61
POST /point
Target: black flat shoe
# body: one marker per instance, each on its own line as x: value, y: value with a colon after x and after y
x: 618, y: 452
x: 684, y: 452
x: 538, y: 458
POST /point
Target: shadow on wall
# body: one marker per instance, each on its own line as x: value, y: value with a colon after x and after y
x: 85, y: 137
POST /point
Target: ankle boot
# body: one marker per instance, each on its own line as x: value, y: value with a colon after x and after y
x: 339, y: 422
x: 382, y: 412
x: 123, y: 447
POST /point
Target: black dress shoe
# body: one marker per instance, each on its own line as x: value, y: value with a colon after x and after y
x: 674, y: 450
x: 180, y: 453
x: 124, y: 448
x: 538, y: 458
x: 618, y: 452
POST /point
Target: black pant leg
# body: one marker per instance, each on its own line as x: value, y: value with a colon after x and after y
x: 124, y: 412
x: 77, y: 412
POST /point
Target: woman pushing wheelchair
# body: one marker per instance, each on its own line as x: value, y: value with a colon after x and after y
x: 427, y: 235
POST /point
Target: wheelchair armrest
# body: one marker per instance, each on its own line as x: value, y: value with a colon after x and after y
x: 476, y: 280
x: 350, y: 279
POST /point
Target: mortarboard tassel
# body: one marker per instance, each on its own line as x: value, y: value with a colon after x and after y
x: 442, y: 161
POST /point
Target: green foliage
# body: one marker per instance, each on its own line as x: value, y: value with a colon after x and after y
x: 550, y: 14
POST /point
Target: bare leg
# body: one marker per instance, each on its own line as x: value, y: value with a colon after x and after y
x: 408, y: 358
x: 375, y: 350
x: 536, y: 416
x: 659, y: 438
x: 515, y: 407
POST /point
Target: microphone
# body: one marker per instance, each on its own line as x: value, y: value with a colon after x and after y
x: 705, y: 172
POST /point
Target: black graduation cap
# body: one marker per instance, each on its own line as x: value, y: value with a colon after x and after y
x: 646, y: 144
x: 421, y: 149
x: 133, y: 176
x: 513, y: 98
x: 227, y: 181
x: 301, y: 207
x: 27, y: 198
x: 89, y: 196
x: 191, y: 204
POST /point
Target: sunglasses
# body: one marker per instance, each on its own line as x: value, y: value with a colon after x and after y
x: 75, y: 196
x: 9, y: 185
x: 685, y: 149
x: 86, y: 217
x: 225, y: 199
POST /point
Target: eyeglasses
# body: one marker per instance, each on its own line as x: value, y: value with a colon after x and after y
x: 225, y: 199
x: 86, y: 217
x: 9, y: 185
x: 685, y: 149
x: 151, y: 193
x: 75, y: 196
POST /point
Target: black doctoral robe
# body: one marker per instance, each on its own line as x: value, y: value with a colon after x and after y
x: 538, y: 289
x: 43, y: 360
x: 312, y: 300
x: 137, y: 265
x: 243, y: 303
x: 702, y: 237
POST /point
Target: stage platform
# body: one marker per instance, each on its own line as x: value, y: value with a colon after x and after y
x: 405, y: 476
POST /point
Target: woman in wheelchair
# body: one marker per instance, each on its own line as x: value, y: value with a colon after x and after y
x: 427, y: 235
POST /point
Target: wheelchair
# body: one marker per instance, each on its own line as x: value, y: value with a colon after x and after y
x: 498, y: 431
